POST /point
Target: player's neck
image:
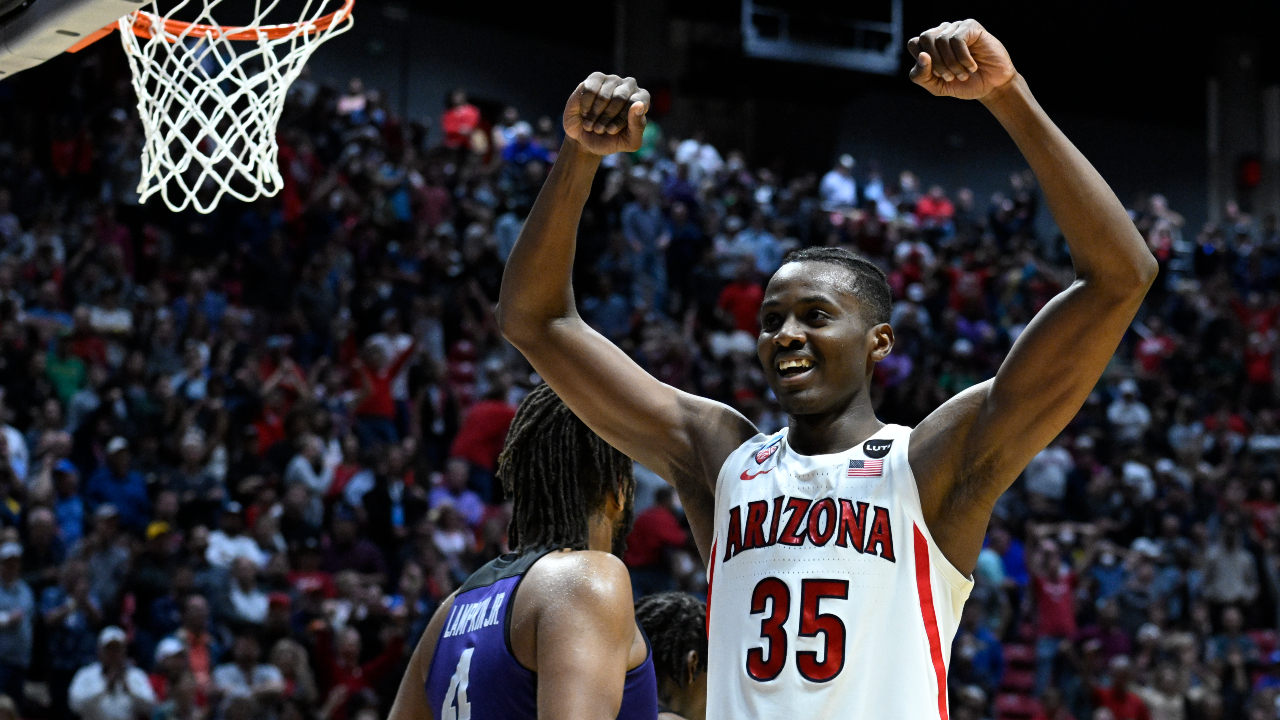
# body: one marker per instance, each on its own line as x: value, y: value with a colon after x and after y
x: 599, y: 533
x: 833, y: 432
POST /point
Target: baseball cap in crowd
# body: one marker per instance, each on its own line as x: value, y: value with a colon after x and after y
x: 111, y: 634
x: 66, y: 466
x: 1165, y: 465
x: 106, y: 510
x: 10, y: 550
x: 231, y: 507
x: 1128, y: 386
x: 169, y: 647
x: 847, y: 161
x: 279, y: 599
x: 157, y: 529
x: 116, y: 445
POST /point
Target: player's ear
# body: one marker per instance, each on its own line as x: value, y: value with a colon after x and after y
x: 879, y: 342
x: 690, y: 667
x: 616, y: 501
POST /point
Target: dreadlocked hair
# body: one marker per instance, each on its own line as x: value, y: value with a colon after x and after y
x: 676, y: 623
x: 558, y: 472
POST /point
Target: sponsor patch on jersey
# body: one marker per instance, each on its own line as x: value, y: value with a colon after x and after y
x: 874, y: 448
x: 866, y: 468
x: 767, y: 451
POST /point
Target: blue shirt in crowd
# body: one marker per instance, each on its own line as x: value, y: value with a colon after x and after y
x: 128, y: 494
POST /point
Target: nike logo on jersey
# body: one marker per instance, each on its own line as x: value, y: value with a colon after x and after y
x: 859, y: 526
x: 752, y: 476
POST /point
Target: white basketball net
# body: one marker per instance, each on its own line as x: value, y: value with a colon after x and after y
x: 210, y: 98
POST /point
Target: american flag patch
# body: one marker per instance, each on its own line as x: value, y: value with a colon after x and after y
x: 866, y: 468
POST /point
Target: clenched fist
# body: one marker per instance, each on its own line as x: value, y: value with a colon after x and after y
x: 606, y: 114
x: 960, y: 60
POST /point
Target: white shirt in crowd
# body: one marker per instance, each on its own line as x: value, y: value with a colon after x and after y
x: 838, y: 190
x: 224, y: 548
x: 1130, y: 417
x: 18, y: 455
x: 1047, y: 472
x: 91, y: 700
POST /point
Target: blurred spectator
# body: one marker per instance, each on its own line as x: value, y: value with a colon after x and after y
x: 118, y: 484
x: 459, y: 121
x: 452, y: 491
x: 839, y: 190
x: 1127, y: 414
x: 656, y: 534
x: 111, y: 688
x: 480, y: 439
x: 245, y: 676
x: 17, y: 619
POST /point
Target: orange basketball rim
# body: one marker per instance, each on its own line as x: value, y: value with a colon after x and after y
x: 145, y: 25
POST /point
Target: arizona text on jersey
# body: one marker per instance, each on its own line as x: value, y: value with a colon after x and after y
x: 828, y: 598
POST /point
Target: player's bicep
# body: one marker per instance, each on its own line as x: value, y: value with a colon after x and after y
x: 982, y: 438
x: 584, y: 645
x: 1050, y: 370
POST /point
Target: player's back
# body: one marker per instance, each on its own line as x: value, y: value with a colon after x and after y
x: 828, y: 597
x: 474, y: 672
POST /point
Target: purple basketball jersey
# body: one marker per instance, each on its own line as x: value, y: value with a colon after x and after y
x: 475, y: 676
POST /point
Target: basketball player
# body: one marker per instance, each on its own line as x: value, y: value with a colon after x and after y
x: 838, y: 551
x: 676, y: 624
x: 547, y: 631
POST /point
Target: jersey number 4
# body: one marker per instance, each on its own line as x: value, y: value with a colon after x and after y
x: 765, y: 664
x: 458, y: 690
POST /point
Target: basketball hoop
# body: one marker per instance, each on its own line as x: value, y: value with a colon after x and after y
x: 210, y: 96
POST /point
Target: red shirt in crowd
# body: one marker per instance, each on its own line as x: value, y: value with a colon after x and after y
x: 936, y: 209
x: 1151, y: 352
x: 378, y: 401
x: 1055, y: 607
x: 483, y: 432
x: 742, y: 300
x: 1123, y: 704
x: 458, y: 122
x: 359, y: 678
x: 655, y: 530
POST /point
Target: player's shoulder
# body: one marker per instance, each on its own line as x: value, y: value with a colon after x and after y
x: 588, y: 578
x: 718, y: 428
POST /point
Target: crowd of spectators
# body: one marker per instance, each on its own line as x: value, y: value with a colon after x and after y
x: 245, y: 455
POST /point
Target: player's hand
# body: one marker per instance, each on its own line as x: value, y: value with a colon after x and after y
x: 606, y: 114
x: 960, y: 60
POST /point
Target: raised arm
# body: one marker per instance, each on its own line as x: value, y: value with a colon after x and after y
x: 681, y: 437
x: 968, y: 452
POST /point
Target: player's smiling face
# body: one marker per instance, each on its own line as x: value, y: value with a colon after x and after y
x: 815, y: 345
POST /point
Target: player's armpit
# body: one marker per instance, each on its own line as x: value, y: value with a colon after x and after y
x: 584, y: 636
x: 411, y: 698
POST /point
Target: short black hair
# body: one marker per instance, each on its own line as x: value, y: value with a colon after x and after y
x: 558, y: 472
x: 675, y: 623
x: 869, y: 281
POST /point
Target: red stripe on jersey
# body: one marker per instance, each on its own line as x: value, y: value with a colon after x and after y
x: 711, y: 582
x: 925, y: 589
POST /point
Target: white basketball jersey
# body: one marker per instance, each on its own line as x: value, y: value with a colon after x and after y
x: 827, y: 596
